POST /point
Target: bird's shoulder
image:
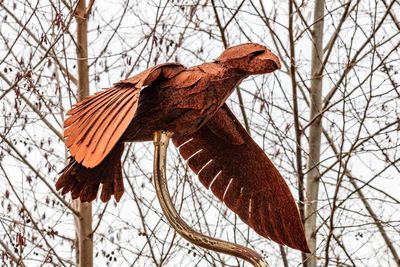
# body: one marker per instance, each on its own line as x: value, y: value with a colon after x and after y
x: 213, y: 69
x: 166, y: 71
x: 198, y: 76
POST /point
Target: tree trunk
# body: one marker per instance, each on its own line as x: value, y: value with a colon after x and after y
x: 313, y: 174
x: 84, y: 222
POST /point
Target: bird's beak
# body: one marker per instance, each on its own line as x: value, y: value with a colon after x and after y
x: 268, y: 56
x: 263, y: 61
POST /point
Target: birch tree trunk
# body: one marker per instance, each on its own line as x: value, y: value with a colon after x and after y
x: 313, y: 174
x: 84, y: 222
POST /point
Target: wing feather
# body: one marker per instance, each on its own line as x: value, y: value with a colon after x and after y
x: 78, y: 107
x: 100, y: 128
x: 121, y: 124
x: 79, y: 111
x: 112, y: 128
x: 84, y: 134
x: 96, y: 124
x: 121, y: 98
x: 242, y: 176
x: 82, y: 123
x: 91, y: 121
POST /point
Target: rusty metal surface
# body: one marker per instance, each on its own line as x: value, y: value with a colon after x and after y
x: 239, y: 173
x: 186, y: 101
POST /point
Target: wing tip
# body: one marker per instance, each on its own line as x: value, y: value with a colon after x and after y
x: 301, y: 245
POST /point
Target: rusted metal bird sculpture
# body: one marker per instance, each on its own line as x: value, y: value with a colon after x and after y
x: 190, y: 102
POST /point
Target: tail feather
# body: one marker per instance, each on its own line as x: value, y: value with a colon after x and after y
x: 84, y: 183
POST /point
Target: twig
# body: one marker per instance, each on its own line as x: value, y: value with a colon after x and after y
x: 18, y: 261
x: 22, y: 158
x: 36, y: 226
x: 364, y: 200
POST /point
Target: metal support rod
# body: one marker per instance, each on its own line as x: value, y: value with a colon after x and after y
x: 161, y: 140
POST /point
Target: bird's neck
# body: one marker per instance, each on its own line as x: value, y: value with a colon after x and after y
x: 235, y: 66
x: 224, y: 79
x: 232, y: 78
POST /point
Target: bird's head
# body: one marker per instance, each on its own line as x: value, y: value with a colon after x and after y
x: 250, y: 58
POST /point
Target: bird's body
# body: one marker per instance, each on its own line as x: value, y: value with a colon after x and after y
x: 183, y: 103
x: 190, y: 102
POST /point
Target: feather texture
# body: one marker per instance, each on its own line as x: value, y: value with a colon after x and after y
x: 190, y: 103
x: 84, y: 183
x: 94, y: 130
x: 96, y: 124
x: 240, y: 174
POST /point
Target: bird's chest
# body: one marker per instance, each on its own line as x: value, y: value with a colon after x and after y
x: 204, y: 96
x: 191, y: 98
x: 194, y: 107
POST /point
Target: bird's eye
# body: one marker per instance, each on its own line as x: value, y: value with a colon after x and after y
x: 256, y: 53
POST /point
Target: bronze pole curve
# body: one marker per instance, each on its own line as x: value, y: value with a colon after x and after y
x: 161, y: 140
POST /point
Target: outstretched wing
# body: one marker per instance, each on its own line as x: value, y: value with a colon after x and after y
x: 228, y: 161
x: 96, y: 124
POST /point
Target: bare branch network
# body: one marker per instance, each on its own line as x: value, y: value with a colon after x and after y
x: 329, y: 120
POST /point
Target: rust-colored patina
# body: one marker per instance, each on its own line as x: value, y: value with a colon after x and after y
x: 190, y: 102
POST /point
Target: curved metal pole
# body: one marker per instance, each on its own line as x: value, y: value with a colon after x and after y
x: 161, y: 140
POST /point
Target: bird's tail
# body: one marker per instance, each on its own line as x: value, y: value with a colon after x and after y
x: 84, y: 183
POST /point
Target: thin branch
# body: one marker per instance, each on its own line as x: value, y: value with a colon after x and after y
x: 44, y: 180
x: 51, y: 248
x: 361, y: 195
x: 17, y: 260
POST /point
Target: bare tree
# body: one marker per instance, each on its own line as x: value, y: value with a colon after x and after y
x: 329, y: 120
